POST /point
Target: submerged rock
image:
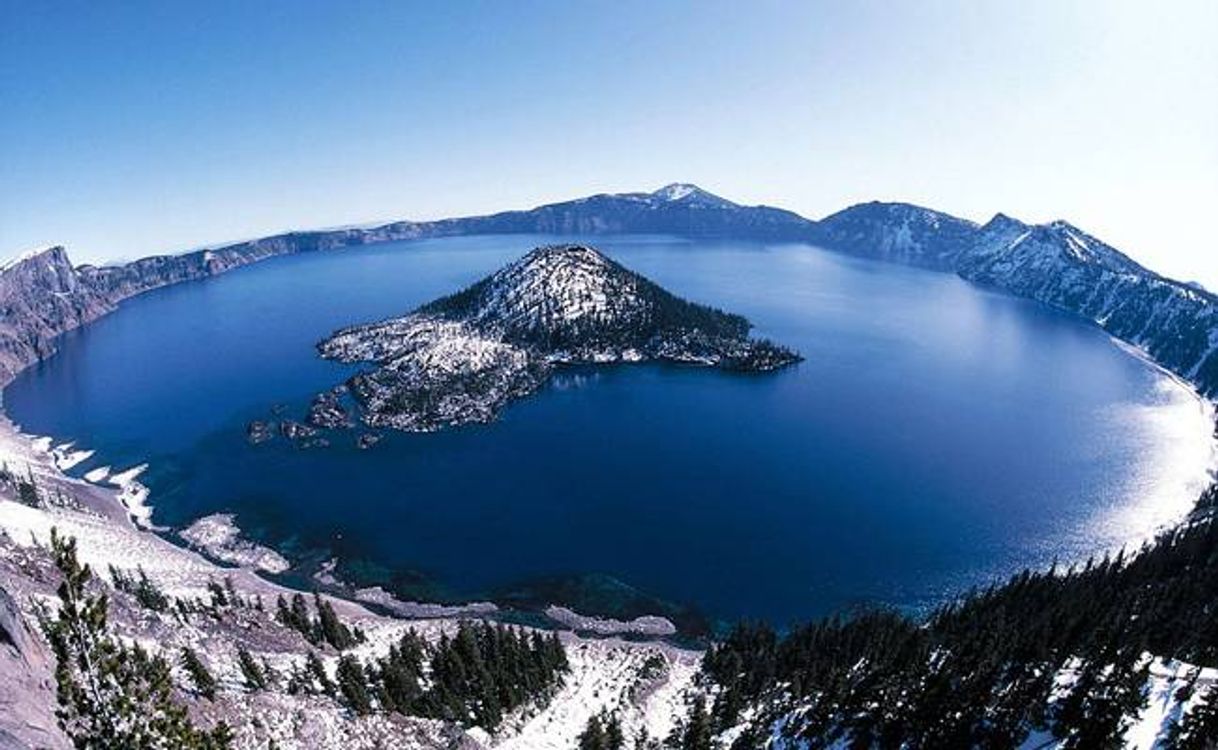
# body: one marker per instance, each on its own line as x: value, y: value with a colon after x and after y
x: 328, y: 412
x: 293, y: 430
x: 259, y: 432
x: 462, y: 358
x: 367, y: 440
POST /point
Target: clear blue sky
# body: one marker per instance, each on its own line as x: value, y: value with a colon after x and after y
x: 131, y: 128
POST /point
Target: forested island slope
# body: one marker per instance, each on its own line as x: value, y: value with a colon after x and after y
x: 461, y: 358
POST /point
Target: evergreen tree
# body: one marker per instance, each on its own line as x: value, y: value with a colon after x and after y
x: 328, y: 626
x: 111, y: 695
x: 140, y: 587
x: 27, y: 493
x: 602, y: 732
x: 317, y: 672
x: 199, y: 675
x: 252, y: 671
x: 593, y: 736
x: 219, y: 598
x: 353, y: 685
x: 1197, y: 729
x: 981, y: 671
x: 615, y: 739
x: 697, y: 734
x: 477, y: 675
x: 399, y: 674
x: 299, y: 619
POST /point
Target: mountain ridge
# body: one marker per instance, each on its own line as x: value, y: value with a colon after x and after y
x: 1055, y: 263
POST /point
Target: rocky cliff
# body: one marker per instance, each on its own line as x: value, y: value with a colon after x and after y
x: 41, y: 296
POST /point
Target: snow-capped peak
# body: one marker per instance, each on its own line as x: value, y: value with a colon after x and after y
x: 684, y: 192
x: 561, y: 283
x: 28, y: 255
x: 676, y: 191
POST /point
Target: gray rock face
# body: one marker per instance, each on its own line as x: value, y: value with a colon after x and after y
x: 328, y: 412
x: 27, y: 687
x: 41, y: 296
x: 293, y: 430
x: 461, y: 358
x: 258, y: 431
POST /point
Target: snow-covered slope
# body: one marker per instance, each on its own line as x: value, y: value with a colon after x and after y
x: 690, y: 195
x: 461, y: 358
x: 1176, y: 324
x: 1062, y: 266
x: 646, y: 683
x: 898, y: 233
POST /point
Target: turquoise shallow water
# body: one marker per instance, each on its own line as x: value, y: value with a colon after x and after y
x: 936, y: 436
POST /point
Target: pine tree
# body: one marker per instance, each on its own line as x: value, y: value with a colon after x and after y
x: 697, y: 734
x: 614, y: 738
x: 330, y: 629
x: 1197, y: 729
x: 252, y: 671
x: 219, y: 598
x: 593, y: 736
x: 27, y: 492
x: 111, y: 695
x: 203, y: 681
x: 486, y: 670
x: 315, y: 669
x: 297, y: 617
x: 602, y: 732
x: 353, y: 685
x: 399, y: 675
x: 282, y: 613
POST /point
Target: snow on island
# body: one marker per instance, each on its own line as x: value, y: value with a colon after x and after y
x: 462, y: 358
x: 647, y: 625
x: 219, y: 537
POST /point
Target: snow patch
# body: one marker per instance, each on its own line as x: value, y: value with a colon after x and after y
x: 218, y: 536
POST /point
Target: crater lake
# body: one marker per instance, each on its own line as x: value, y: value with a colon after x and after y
x: 937, y: 436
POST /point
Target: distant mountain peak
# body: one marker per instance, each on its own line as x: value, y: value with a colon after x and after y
x: 675, y: 191
x: 1002, y: 222
x: 55, y: 253
x: 684, y: 192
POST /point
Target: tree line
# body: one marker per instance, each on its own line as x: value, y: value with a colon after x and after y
x: 475, y: 677
x: 1064, y: 652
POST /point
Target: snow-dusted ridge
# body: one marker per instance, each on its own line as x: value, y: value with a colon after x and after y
x: 461, y: 358
x: 1054, y: 263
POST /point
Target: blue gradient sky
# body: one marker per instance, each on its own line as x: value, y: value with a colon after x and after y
x: 134, y: 128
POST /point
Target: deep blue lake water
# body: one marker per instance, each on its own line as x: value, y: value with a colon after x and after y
x: 937, y: 435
